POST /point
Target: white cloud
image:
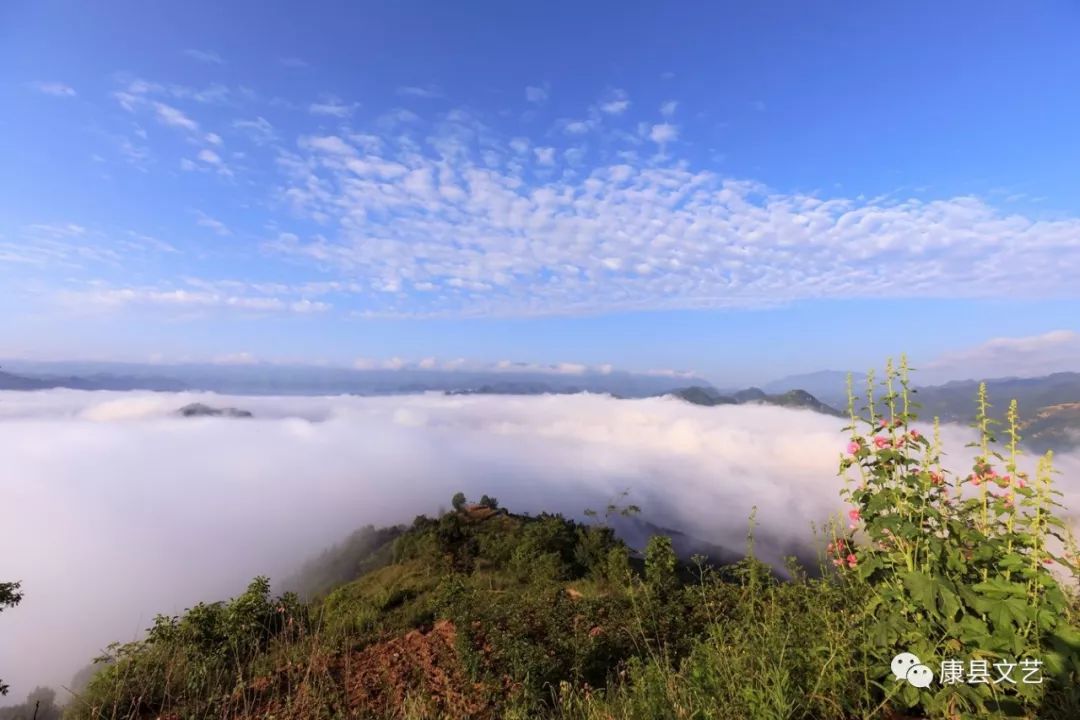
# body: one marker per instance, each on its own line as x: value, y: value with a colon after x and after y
x: 545, y: 155
x: 259, y: 130
x: 182, y: 299
x: 448, y: 217
x: 331, y: 107
x: 213, y: 160
x: 428, y: 92
x: 668, y: 108
x: 1055, y: 351
x: 328, y: 144
x: 168, y: 115
x: 616, y: 103
x: 398, y: 116
x: 213, y: 138
x: 102, y: 463
x: 663, y: 133
x: 56, y: 89
x: 536, y: 95
x: 204, y: 56
x: 70, y: 246
x: 632, y: 233
x: 204, y: 220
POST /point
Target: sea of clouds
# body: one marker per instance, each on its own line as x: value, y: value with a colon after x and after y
x: 113, y: 508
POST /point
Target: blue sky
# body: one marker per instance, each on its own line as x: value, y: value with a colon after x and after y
x: 738, y: 191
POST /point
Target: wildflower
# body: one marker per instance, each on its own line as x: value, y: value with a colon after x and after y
x: 837, y: 562
x: 851, y: 560
x: 935, y: 478
x: 853, y: 447
x: 853, y: 516
x: 1048, y: 561
x: 881, y: 442
x: 914, y: 434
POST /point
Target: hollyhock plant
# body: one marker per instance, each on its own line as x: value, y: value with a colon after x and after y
x: 952, y: 573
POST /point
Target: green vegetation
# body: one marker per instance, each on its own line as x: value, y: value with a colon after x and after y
x: 482, y: 613
x: 9, y: 597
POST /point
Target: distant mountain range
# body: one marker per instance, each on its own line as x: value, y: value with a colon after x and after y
x: 308, y: 380
x: 1049, y: 406
x: 11, y: 381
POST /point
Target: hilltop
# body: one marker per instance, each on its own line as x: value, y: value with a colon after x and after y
x: 486, y: 614
x: 709, y: 397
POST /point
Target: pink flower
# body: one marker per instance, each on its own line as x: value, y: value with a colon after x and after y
x: 884, y: 422
x: 851, y: 561
x: 881, y: 442
x: 914, y: 434
x: 837, y: 562
x: 853, y: 515
x: 853, y: 447
x: 936, y: 478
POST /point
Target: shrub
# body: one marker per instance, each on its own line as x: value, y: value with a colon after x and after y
x: 198, y: 657
x: 9, y: 597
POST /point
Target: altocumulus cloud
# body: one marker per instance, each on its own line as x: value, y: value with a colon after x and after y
x: 115, y: 509
x: 455, y: 213
x: 497, y: 231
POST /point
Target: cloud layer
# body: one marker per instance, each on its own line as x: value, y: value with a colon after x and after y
x: 461, y: 223
x: 432, y: 209
x: 114, y: 509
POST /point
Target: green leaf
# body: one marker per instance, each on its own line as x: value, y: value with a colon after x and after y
x: 949, y: 602
x: 1001, y: 588
x: 1018, y: 608
x: 973, y: 630
x: 920, y: 587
